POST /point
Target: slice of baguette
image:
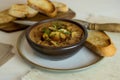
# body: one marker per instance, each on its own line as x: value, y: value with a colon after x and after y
x: 31, y: 12
x: 61, y: 7
x: 53, y: 14
x: 44, y: 6
x: 100, y: 43
x: 21, y: 11
x: 5, y: 17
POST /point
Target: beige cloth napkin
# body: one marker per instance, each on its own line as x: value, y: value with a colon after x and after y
x: 5, y: 53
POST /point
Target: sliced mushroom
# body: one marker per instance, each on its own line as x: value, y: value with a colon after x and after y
x: 55, y: 35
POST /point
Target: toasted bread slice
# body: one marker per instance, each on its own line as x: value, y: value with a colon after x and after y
x: 42, y: 5
x: 31, y: 12
x: 53, y: 14
x: 18, y: 10
x: 61, y: 7
x: 21, y: 11
x: 100, y: 43
x: 5, y: 17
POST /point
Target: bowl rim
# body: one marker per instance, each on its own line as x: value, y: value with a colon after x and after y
x: 83, y: 39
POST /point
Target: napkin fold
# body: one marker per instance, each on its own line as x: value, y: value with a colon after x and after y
x: 5, y: 53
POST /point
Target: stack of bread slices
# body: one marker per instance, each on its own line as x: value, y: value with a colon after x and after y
x: 31, y: 9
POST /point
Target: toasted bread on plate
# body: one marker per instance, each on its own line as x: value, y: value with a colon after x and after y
x: 44, y: 6
x: 31, y: 12
x: 53, y: 14
x: 21, y: 11
x: 61, y: 7
x: 5, y: 17
x: 100, y: 43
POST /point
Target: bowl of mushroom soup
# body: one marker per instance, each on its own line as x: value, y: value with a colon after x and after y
x: 56, y: 39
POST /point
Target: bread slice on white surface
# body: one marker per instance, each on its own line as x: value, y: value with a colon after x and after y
x: 21, y: 11
x: 100, y: 43
x: 5, y: 17
x: 61, y: 7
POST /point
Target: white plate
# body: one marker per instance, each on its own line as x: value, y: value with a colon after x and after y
x: 82, y: 60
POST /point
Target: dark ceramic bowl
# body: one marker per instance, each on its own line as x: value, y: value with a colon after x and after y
x: 56, y: 53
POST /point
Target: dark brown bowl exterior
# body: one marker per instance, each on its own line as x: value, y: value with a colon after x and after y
x: 58, y: 53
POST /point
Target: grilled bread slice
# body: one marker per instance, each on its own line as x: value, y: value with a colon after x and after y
x: 44, y: 6
x: 31, y: 12
x: 21, y: 11
x: 53, y: 14
x: 5, y: 17
x: 61, y: 7
x: 100, y: 43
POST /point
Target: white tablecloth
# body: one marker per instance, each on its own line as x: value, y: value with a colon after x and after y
x: 109, y: 69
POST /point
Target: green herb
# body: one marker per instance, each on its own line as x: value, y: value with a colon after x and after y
x: 46, y: 30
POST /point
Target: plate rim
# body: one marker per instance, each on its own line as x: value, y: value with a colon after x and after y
x: 19, y: 40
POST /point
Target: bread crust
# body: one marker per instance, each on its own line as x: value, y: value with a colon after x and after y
x: 31, y: 12
x: 53, y: 14
x: 50, y: 10
x: 42, y: 5
x: 61, y: 7
x: 108, y: 49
